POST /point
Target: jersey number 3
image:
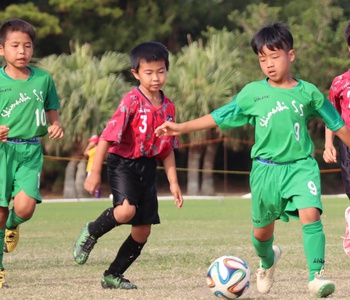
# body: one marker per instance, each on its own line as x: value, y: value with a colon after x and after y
x: 143, y: 128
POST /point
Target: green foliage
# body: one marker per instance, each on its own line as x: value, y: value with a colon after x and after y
x: 202, y: 77
x: 318, y: 46
x: 89, y: 89
x: 43, y: 23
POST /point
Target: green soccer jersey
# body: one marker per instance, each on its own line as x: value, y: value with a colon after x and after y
x: 23, y: 103
x: 280, y: 118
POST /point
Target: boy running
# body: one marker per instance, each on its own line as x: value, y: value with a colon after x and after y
x: 28, y: 111
x: 285, y: 178
x: 133, y: 151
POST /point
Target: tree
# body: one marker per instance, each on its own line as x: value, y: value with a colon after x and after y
x: 45, y: 24
x: 201, y: 79
x: 89, y: 88
x: 114, y: 25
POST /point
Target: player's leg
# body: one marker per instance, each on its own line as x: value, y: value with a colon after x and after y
x: 22, y: 210
x: 269, y: 255
x: 127, y: 254
x: 265, y: 202
x: 92, y: 231
x: 344, y: 155
x: 304, y: 190
x: 314, y: 243
x: 3, y: 217
x: 122, y: 211
x: 7, y: 175
x: 26, y: 189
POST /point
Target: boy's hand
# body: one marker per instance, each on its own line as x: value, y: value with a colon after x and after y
x: 92, y: 182
x: 4, y: 132
x: 167, y: 129
x: 330, y: 154
x: 176, y: 192
x: 55, y: 131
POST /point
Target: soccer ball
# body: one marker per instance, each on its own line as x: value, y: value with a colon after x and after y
x: 228, y: 277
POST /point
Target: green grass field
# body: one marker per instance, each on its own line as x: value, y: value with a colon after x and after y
x: 174, y: 262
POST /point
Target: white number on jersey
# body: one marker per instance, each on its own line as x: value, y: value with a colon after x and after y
x: 312, y: 187
x: 40, y: 117
x: 144, y: 124
x: 297, y: 131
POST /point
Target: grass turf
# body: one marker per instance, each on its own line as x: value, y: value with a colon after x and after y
x: 174, y: 262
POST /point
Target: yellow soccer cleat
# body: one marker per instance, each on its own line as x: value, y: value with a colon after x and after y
x: 11, y: 239
x: 3, y: 283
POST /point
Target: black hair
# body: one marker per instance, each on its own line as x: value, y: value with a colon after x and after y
x: 149, y: 51
x: 12, y: 25
x: 275, y: 37
x: 347, y: 33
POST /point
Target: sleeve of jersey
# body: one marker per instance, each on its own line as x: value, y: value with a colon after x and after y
x: 113, y: 131
x: 334, y: 92
x: 230, y: 115
x: 51, y: 102
x: 330, y: 116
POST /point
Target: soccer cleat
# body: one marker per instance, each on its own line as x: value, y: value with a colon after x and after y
x: 3, y: 283
x: 83, y: 246
x: 116, y: 282
x: 11, y: 239
x: 346, y: 239
x: 264, y: 279
x: 319, y: 287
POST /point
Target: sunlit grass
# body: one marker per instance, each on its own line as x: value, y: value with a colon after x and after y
x: 174, y: 262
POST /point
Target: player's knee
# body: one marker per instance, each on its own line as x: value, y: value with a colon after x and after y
x: 124, y: 214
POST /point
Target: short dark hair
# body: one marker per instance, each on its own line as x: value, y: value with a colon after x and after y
x: 347, y: 33
x: 149, y: 51
x: 12, y: 25
x: 274, y: 36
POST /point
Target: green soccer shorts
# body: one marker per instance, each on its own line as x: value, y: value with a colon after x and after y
x: 280, y: 190
x: 21, y: 165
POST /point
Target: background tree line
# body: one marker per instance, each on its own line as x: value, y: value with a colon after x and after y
x: 85, y: 46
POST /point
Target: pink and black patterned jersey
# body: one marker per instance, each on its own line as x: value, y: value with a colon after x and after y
x: 131, y: 128
x: 339, y: 95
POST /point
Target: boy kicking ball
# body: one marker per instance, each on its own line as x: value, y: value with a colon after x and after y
x: 285, y: 178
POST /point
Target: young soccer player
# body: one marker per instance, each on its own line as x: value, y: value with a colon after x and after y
x: 339, y: 95
x: 28, y: 108
x: 285, y: 179
x: 133, y: 151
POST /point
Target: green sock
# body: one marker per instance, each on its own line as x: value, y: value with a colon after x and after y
x: 13, y: 220
x: 2, y: 240
x: 264, y: 251
x: 314, y: 242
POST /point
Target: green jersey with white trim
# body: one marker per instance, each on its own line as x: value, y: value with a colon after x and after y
x: 23, y: 103
x: 280, y: 118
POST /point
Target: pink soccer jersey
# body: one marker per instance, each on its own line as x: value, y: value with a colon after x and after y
x: 339, y: 95
x: 131, y: 128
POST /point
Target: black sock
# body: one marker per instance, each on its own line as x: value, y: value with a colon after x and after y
x: 127, y: 254
x: 104, y: 223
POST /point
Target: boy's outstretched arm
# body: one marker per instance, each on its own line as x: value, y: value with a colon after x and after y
x: 330, y: 153
x: 170, y: 128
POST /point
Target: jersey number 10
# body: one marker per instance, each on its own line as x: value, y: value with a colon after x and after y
x: 40, y: 117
